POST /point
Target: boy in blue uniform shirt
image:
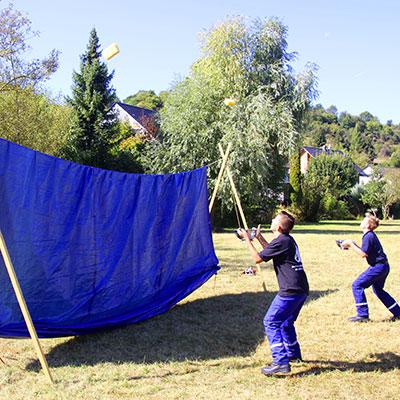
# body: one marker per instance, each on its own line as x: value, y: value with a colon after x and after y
x: 293, y: 292
x: 375, y: 275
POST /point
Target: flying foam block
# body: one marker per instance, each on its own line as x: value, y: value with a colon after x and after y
x: 110, y: 51
x: 230, y: 102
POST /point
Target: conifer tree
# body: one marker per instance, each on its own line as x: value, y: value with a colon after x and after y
x: 93, y: 124
x: 295, y: 178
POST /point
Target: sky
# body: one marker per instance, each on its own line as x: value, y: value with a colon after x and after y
x: 355, y: 43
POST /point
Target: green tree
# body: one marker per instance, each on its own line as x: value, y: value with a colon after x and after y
x: 329, y: 178
x: 93, y: 124
x: 163, y: 96
x: 252, y: 65
x: 347, y: 120
x: 395, y: 159
x: 127, y: 149
x: 16, y: 72
x: 322, y: 127
x: 361, y: 145
x: 28, y: 115
x: 354, y: 201
x: 383, y: 191
x: 145, y: 99
x: 33, y: 120
x: 366, y: 116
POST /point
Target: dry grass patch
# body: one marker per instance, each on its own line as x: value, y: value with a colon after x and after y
x: 211, y: 345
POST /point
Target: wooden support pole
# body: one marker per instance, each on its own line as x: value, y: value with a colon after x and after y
x: 24, y: 308
x: 239, y: 205
x: 234, y: 191
x: 220, y: 174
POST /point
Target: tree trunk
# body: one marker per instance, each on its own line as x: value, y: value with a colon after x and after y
x: 385, y: 211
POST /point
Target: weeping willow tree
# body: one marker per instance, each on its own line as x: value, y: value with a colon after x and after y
x: 250, y: 63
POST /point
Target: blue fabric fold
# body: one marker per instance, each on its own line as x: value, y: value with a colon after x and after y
x: 96, y: 249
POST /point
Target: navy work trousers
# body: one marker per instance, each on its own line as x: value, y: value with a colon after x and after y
x: 374, y: 276
x: 279, y: 327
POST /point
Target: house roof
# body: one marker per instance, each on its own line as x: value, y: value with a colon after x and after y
x: 317, y: 151
x: 138, y: 113
x: 359, y: 170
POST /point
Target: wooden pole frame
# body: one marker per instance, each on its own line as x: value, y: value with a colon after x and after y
x: 23, y: 306
x: 225, y: 167
x: 220, y: 175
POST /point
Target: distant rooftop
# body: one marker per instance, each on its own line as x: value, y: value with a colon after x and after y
x: 317, y: 151
x: 138, y: 113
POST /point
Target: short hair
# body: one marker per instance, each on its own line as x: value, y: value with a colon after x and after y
x: 372, y: 220
x: 286, y: 221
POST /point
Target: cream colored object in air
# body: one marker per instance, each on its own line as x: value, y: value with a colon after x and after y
x: 230, y: 102
x: 110, y: 51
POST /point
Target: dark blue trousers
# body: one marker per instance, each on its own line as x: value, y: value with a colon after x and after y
x: 374, y: 276
x: 279, y: 327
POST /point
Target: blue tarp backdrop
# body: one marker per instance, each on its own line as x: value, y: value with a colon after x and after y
x: 95, y: 249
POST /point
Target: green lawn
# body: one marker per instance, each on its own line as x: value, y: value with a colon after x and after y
x: 211, y: 345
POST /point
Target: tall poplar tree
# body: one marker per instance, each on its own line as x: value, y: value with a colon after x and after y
x: 93, y: 124
x: 295, y: 178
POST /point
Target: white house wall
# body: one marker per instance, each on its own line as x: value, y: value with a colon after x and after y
x: 304, y: 162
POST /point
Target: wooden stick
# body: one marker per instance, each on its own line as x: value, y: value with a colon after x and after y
x: 239, y: 205
x: 220, y: 174
x: 235, y: 193
x: 24, y: 308
x: 216, y: 187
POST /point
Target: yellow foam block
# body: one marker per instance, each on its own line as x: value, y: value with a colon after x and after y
x: 110, y: 51
x: 230, y: 102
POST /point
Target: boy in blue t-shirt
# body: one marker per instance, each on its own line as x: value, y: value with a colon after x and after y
x: 293, y: 292
x: 375, y: 275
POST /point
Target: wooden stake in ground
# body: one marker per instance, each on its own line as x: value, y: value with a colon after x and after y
x: 239, y: 205
x: 24, y: 308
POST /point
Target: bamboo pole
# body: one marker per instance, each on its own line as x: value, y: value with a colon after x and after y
x: 220, y: 174
x: 23, y: 306
x: 239, y: 205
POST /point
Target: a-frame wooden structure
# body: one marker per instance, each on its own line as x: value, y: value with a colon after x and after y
x: 224, y: 167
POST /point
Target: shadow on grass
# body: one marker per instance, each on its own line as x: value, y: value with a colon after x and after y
x: 323, y: 228
x: 341, y: 232
x: 354, y: 223
x: 205, y: 329
x: 384, y: 362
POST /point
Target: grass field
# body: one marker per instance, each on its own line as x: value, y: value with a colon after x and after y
x: 211, y: 345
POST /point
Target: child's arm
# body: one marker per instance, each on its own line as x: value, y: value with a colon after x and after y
x: 351, y: 244
x: 262, y: 240
x: 253, y: 251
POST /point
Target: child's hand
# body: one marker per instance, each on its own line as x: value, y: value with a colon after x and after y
x: 242, y: 233
x: 346, y: 244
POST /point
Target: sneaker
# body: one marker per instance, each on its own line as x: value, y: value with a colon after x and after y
x: 295, y: 360
x: 358, y: 318
x: 394, y: 318
x: 275, y: 369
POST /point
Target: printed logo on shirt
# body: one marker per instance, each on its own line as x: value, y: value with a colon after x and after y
x: 299, y: 265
